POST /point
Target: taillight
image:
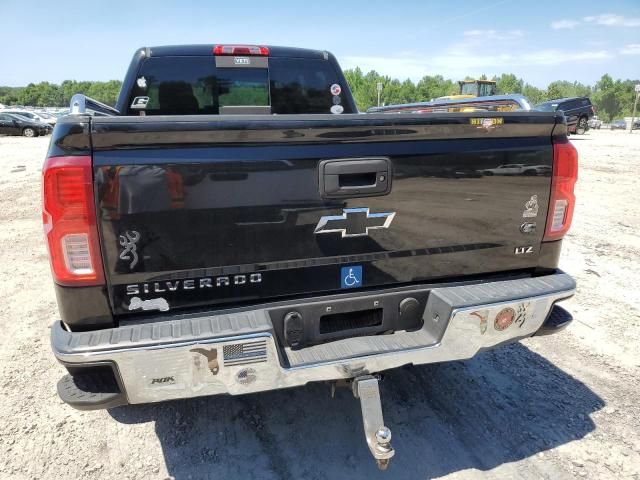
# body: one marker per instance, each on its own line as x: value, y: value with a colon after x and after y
x: 69, y: 217
x: 250, y: 50
x: 562, y: 199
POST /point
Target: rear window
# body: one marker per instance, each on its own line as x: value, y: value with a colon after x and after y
x: 547, y: 107
x: 300, y: 85
x: 242, y: 87
x: 573, y: 104
x: 195, y: 86
x: 23, y: 114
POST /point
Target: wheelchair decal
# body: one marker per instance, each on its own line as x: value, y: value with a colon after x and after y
x: 351, y: 277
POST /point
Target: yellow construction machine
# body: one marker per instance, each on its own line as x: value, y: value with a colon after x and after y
x: 473, y: 88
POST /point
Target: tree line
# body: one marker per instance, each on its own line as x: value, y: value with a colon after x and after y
x: 612, y: 98
x: 45, y: 94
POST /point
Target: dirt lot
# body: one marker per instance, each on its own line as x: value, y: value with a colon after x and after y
x: 565, y: 406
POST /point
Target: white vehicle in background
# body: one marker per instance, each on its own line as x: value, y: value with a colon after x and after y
x: 36, y: 117
x: 509, y: 169
x: 595, y: 123
x: 518, y: 169
x: 48, y: 117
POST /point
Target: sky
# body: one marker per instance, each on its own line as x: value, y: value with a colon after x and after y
x: 539, y: 40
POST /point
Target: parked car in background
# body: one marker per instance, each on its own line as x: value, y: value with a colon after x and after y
x: 12, y: 124
x: 618, y: 125
x: 508, y: 169
x: 595, y: 123
x: 60, y: 113
x: 542, y: 170
x: 518, y: 169
x: 578, y: 111
x: 36, y: 117
x: 47, y: 117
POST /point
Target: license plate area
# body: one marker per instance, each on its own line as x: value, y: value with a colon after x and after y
x: 299, y: 326
x: 359, y: 319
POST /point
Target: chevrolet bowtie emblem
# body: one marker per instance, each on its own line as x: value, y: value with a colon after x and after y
x: 354, y: 222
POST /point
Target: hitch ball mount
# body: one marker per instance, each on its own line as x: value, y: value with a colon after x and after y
x: 378, y: 436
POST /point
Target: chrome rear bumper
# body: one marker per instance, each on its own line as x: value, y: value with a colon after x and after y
x: 239, y: 353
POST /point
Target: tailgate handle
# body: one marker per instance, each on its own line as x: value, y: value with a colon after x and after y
x: 355, y: 177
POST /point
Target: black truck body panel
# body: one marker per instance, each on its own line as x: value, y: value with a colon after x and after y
x: 231, y: 197
x: 215, y: 211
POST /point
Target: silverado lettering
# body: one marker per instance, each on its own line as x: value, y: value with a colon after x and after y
x: 221, y: 158
x: 192, y: 284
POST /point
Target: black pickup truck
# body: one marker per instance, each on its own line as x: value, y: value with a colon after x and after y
x: 234, y: 225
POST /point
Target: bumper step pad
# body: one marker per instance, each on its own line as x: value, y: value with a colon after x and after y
x: 91, y: 390
x: 359, y: 346
x: 557, y: 321
x: 442, y: 304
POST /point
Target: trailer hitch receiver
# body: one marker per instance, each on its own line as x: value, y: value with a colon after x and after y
x: 378, y: 436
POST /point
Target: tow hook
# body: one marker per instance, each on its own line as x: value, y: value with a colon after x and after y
x: 378, y: 436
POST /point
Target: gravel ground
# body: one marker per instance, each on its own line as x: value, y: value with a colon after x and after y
x: 557, y: 407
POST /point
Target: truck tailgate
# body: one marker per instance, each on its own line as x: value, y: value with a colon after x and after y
x: 199, y: 211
